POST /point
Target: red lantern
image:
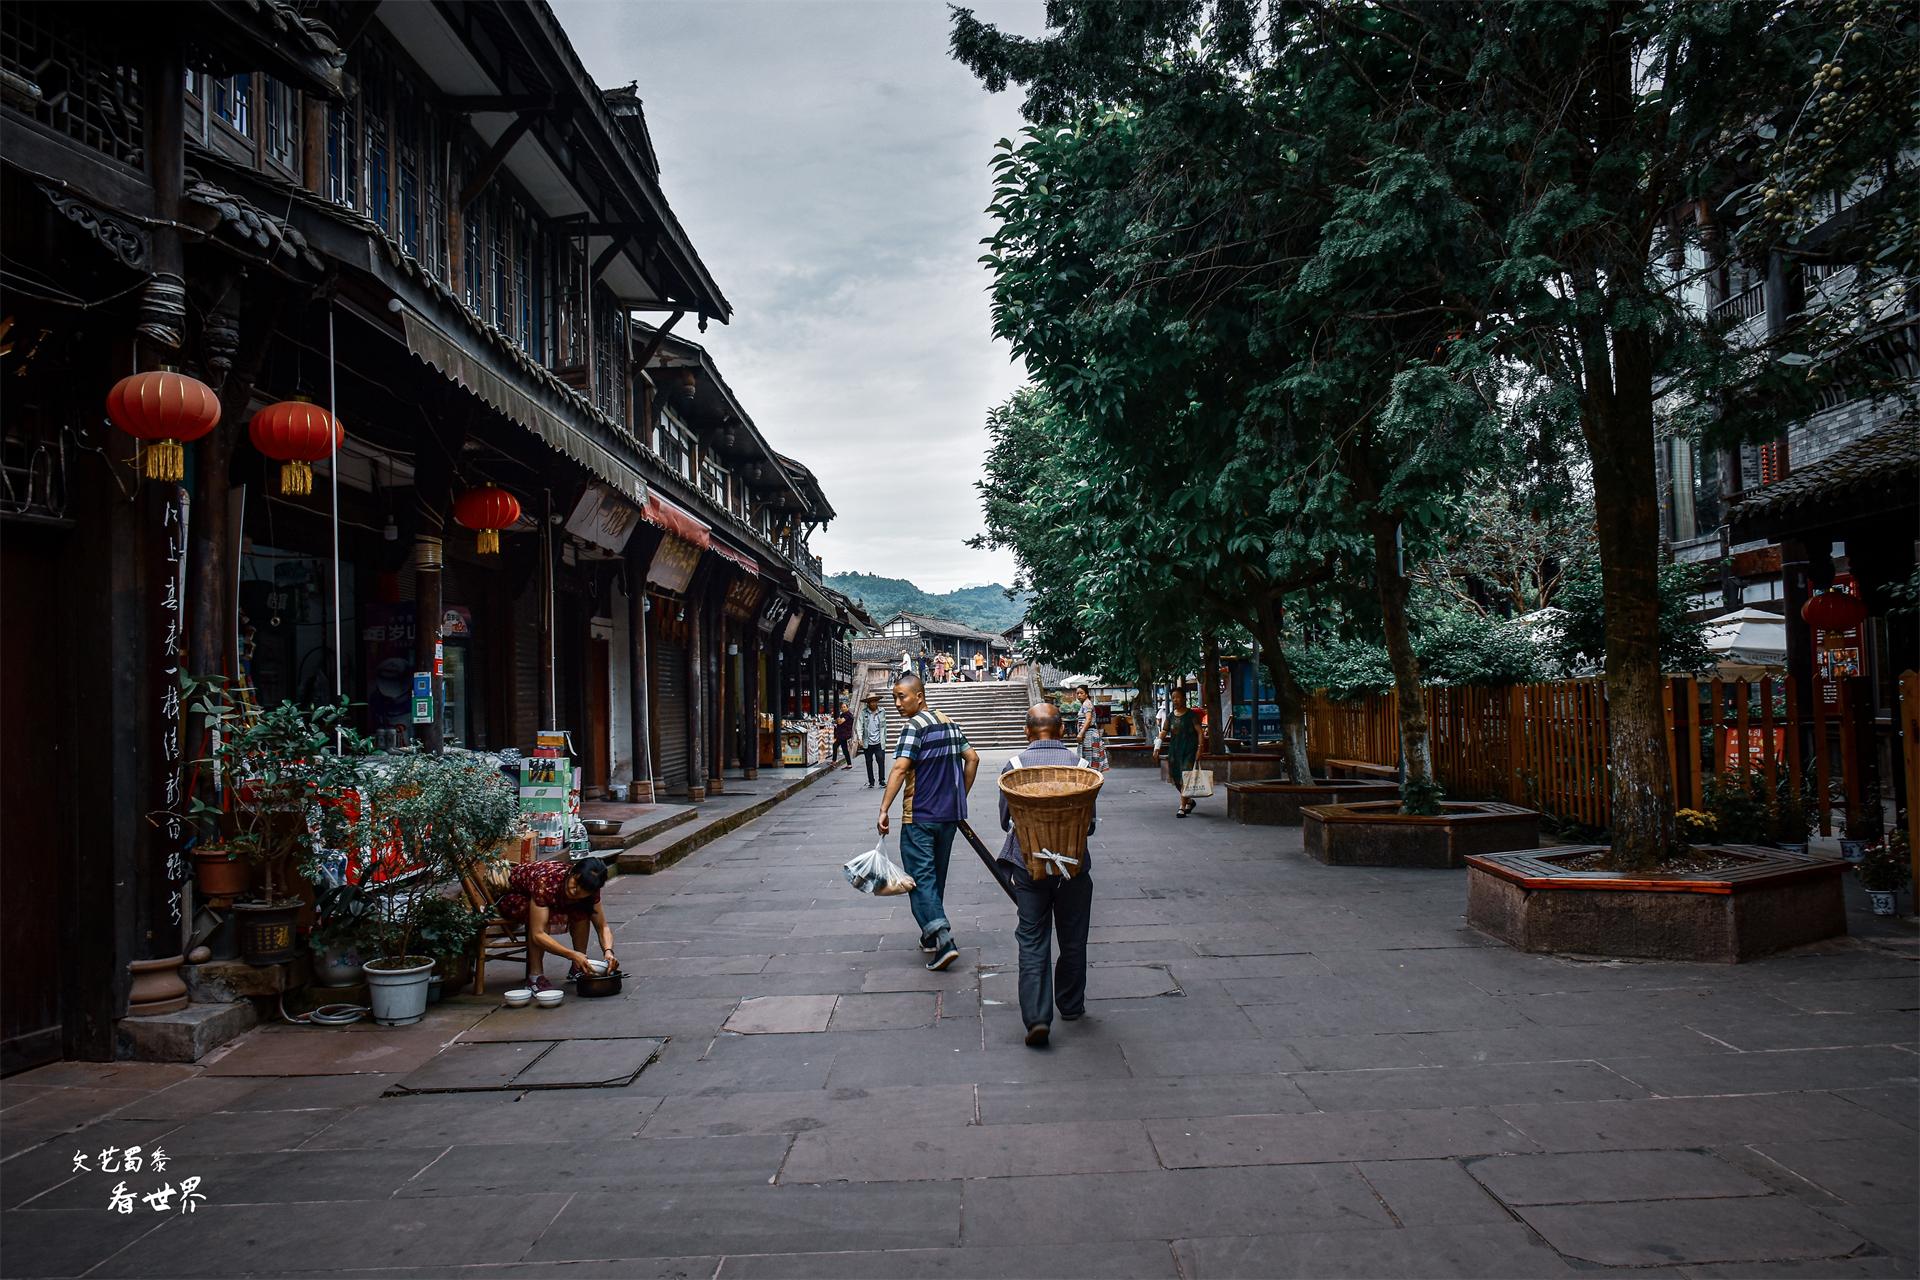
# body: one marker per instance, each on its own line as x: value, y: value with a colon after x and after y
x: 168, y: 409
x: 298, y: 433
x: 1836, y: 609
x: 489, y: 510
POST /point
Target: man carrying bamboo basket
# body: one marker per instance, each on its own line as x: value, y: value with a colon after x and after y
x: 1051, y: 904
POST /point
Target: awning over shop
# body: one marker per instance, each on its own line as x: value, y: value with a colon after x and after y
x: 741, y: 561
x: 433, y: 347
x: 817, y: 598
x: 680, y: 523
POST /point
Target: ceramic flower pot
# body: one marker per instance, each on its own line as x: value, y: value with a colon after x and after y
x: 1853, y: 850
x: 157, y: 987
x: 1883, y: 901
x: 397, y: 989
x: 218, y: 874
x: 266, y: 931
x: 337, y: 966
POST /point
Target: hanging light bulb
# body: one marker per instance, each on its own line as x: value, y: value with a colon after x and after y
x: 392, y: 530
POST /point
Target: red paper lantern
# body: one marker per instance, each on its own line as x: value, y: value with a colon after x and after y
x: 167, y: 409
x: 1836, y: 609
x: 488, y: 509
x: 298, y: 433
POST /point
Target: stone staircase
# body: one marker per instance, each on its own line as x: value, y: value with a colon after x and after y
x: 993, y: 713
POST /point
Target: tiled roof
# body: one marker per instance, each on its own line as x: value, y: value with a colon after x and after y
x: 258, y: 231
x: 1882, y: 463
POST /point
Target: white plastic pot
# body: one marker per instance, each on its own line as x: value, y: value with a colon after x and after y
x: 398, y: 997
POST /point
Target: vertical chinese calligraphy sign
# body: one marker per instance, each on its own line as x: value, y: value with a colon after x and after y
x: 169, y: 643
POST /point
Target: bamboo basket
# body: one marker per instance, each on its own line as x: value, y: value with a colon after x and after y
x: 1051, y: 807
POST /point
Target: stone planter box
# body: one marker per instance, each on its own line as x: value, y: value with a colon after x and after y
x: 1375, y: 833
x: 1245, y: 766
x: 1774, y: 900
x: 1129, y: 755
x: 1273, y: 803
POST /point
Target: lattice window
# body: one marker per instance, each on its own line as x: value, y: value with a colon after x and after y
x: 407, y: 164
x: 434, y: 181
x: 375, y: 100
x: 473, y: 260
x: 500, y: 267
x: 280, y: 110
x: 83, y: 92
x: 233, y: 102
x: 343, y: 154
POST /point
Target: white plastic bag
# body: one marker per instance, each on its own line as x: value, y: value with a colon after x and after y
x: 875, y: 873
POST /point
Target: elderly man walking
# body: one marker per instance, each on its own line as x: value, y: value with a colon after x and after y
x: 935, y: 765
x: 873, y: 740
x: 1051, y: 904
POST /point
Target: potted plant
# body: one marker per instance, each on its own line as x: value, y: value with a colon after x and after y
x: 1792, y: 813
x: 1883, y: 872
x: 339, y: 937
x: 284, y: 768
x: 445, y: 815
x: 447, y: 928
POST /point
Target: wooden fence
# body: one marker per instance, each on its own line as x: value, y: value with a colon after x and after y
x: 1545, y: 745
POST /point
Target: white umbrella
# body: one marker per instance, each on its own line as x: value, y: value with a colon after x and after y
x: 1748, y: 638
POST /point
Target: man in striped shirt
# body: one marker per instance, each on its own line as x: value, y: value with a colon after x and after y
x: 934, y: 764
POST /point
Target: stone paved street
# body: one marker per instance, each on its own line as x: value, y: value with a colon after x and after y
x: 1288, y: 1069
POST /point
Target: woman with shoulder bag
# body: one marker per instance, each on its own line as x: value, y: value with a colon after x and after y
x: 1180, y: 738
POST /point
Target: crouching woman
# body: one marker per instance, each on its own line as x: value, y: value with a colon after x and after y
x: 555, y: 898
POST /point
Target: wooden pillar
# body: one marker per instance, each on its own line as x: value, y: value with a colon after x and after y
x: 696, y: 701
x: 717, y: 712
x: 637, y: 701
x: 432, y: 497
x: 777, y: 677
x: 549, y: 624
x: 750, y: 700
x: 1210, y: 694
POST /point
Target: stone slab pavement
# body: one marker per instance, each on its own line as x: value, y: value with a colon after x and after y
x: 1288, y: 1069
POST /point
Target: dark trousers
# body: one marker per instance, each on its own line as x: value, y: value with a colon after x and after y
x: 843, y: 750
x: 1047, y: 906
x: 876, y: 758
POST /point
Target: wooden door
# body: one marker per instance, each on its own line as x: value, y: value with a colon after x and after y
x: 599, y: 714
x: 36, y: 756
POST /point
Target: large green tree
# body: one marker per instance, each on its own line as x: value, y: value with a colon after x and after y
x: 1587, y: 154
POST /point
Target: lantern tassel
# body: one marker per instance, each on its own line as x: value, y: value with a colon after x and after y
x: 489, y: 542
x: 166, y: 460
x: 296, y: 479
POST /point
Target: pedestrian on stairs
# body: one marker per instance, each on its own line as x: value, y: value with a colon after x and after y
x: 1053, y: 905
x: 873, y: 740
x: 934, y: 765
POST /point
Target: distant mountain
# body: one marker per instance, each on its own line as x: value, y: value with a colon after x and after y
x: 987, y: 608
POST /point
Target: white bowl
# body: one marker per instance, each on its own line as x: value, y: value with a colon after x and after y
x: 596, y: 967
x: 549, y: 999
x: 518, y: 998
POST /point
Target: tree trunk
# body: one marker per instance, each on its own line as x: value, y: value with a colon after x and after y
x: 1618, y: 424
x: 1287, y: 693
x: 1210, y: 694
x: 1418, y: 792
x: 1143, y: 705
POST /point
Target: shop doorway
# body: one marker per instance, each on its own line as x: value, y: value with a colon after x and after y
x: 599, y: 714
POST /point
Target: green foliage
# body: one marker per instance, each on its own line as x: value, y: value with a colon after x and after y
x: 1886, y: 866
x: 1579, y: 642
x: 281, y: 767
x: 1455, y: 647
x: 1740, y: 805
x: 450, y: 813
x: 989, y: 608
x: 445, y: 927
x: 1420, y: 797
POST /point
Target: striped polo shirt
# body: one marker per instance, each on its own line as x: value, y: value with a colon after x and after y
x: 936, y: 782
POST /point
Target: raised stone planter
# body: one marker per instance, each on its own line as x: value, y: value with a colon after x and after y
x: 1775, y: 899
x: 1246, y: 766
x: 1375, y: 833
x: 1129, y: 755
x: 1272, y: 803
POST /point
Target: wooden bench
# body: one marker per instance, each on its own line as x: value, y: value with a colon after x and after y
x: 1337, y: 768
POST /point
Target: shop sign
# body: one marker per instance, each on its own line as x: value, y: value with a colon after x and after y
x: 603, y: 518
x: 1836, y: 654
x: 743, y: 598
x: 673, y: 563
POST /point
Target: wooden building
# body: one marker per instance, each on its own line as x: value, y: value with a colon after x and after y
x: 428, y: 219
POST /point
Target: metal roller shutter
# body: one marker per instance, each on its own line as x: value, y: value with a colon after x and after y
x: 670, y: 707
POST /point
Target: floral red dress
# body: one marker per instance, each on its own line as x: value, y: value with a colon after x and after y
x: 544, y: 883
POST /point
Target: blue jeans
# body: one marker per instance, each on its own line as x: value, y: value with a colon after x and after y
x: 925, y: 848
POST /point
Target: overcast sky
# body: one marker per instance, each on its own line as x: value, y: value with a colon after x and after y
x: 829, y: 161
